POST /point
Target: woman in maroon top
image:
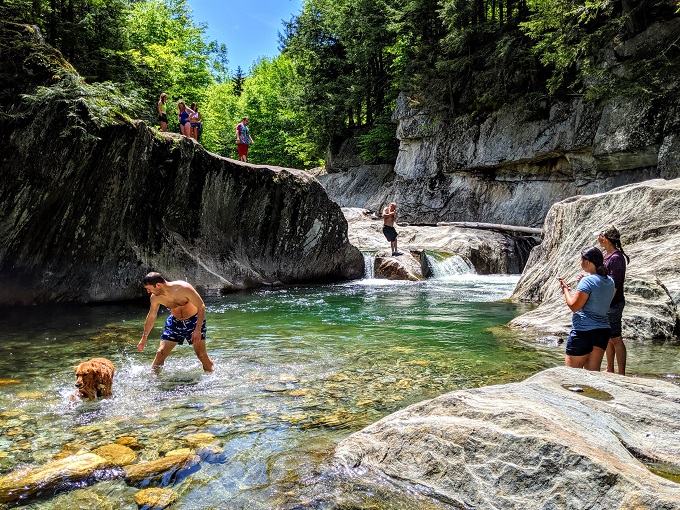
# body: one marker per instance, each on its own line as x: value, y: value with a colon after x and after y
x: 615, y: 260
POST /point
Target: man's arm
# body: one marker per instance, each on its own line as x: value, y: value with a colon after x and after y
x: 148, y: 324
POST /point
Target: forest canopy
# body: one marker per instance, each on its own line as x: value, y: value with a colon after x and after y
x: 342, y: 64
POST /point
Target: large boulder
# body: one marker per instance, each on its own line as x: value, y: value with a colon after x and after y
x: 530, y: 445
x: 647, y: 216
x: 85, y: 214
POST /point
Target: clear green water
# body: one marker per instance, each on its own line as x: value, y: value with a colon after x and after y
x: 297, y: 370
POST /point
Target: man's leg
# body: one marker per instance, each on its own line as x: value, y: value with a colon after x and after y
x: 163, y: 351
x: 202, y: 355
x: 616, y: 348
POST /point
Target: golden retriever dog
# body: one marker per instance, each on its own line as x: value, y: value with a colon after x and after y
x: 94, y: 378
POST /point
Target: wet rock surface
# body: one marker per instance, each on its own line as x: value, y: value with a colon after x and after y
x: 527, y: 445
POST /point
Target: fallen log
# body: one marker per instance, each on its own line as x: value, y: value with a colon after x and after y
x: 492, y: 226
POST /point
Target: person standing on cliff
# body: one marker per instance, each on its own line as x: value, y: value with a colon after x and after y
x: 243, y: 139
x: 389, y: 215
x: 185, y: 322
x: 616, y: 261
x: 163, y: 111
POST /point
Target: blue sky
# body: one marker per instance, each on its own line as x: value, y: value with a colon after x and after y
x: 249, y: 28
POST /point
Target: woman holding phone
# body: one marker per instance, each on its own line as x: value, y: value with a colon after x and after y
x: 589, y: 303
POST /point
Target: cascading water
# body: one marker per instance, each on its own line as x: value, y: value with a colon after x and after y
x: 443, y: 267
x: 369, y: 266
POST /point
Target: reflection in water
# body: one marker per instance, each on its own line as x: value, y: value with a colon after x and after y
x: 297, y: 370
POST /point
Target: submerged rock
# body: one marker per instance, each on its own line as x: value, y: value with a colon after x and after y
x: 155, y: 498
x: 86, y: 216
x: 27, y: 482
x: 646, y: 214
x: 165, y: 467
x: 529, y: 445
x: 116, y: 454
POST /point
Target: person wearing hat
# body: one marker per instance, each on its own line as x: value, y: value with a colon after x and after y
x: 616, y: 261
x: 589, y: 303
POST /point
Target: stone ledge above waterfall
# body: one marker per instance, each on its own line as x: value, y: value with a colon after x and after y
x: 487, y: 251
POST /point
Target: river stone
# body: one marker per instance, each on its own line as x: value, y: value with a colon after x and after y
x: 155, y: 498
x: 131, y: 442
x: 160, y: 467
x: 84, y: 499
x: 26, y: 482
x: 99, y: 210
x: 530, y: 445
x: 400, y: 267
x: 9, y: 381
x: 116, y: 454
x: 199, y: 439
x: 647, y: 216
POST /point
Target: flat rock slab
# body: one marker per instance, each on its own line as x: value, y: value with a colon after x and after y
x: 531, y: 445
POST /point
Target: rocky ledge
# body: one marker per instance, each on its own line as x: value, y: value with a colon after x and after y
x: 646, y: 214
x: 564, y: 438
x: 486, y: 251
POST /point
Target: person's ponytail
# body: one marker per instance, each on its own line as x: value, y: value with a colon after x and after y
x: 602, y: 270
x: 617, y: 245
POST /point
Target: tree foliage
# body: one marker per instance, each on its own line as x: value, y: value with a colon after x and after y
x: 344, y: 62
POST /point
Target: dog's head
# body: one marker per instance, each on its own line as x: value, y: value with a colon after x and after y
x: 87, y: 378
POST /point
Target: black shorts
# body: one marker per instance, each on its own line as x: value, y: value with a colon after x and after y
x: 614, y: 314
x: 390, y: 233
x: 163, y: 118
x: 582, y: 342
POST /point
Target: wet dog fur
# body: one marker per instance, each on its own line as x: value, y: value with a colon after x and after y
x: 94, y: 379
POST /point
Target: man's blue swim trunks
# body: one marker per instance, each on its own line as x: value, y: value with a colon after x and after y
x: 177, y: 330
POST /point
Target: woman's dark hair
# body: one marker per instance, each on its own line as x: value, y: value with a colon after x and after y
x: 595, y: 256
x: 617, y: 245
x: 153, y: 278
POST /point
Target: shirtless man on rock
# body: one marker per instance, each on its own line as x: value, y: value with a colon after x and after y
x: 185, y: 322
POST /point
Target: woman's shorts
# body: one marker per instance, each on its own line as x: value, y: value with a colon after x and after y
x: 195, y: 124
x: 614, y: 314
x: 582, y: 342
x: 163, y: 118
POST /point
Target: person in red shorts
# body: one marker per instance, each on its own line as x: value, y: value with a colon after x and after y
x: 243, y: 139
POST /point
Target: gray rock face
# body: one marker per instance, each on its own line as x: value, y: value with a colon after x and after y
x: 647, y: 216
x: 530, y: 445
x: 509, y: 167
x: 83, y: 218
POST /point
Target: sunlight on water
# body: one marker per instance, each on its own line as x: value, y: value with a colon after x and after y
x: 297, y: 370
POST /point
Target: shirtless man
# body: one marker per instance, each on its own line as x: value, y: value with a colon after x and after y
x: 389, y: 219
x: 185, y: 322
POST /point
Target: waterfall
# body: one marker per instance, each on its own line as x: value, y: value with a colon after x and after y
x: 369, y: 265
x: 443, y: 266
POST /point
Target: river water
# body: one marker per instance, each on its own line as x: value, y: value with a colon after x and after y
x: 297, y: 370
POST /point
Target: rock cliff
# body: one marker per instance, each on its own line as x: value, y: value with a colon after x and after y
x: 511, y: 165
x: 646, y: 214
x: 529, y: 445
x: 85, y: 215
